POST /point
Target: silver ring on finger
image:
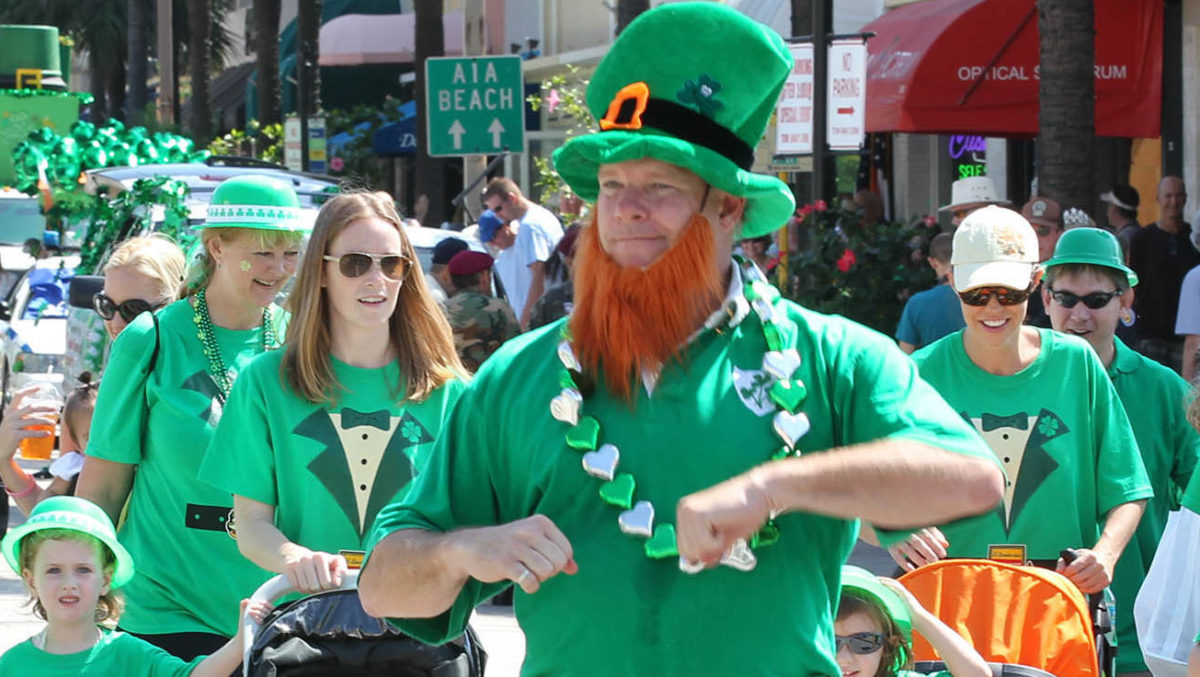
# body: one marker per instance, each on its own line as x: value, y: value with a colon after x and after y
x: 524, y: 574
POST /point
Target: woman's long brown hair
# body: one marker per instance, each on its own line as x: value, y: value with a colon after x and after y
x: 420, y: 334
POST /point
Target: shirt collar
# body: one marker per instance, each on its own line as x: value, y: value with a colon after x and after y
x: 1125, y: 359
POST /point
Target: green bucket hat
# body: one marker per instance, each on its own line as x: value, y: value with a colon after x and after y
x: 863, y: 583
x: 1093, y: 247
x: 258, y: 202
x: 692, y: 84
x: 75, y: 514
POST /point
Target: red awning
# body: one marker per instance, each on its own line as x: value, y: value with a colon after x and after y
x: 971, y: 66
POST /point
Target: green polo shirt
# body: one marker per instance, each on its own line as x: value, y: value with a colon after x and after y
x: 327, y: 468
x: 1155, y: 398
x: 502, y: 457
x: 1059, y: 429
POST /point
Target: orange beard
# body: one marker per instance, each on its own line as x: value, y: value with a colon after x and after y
x: 629, y: 319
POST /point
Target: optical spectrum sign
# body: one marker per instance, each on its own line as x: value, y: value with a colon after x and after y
x: 475, y: 105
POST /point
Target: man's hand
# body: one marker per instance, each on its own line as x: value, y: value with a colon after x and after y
x: 527, y: 552
x: 1091, y: 572
x: 923, y: 547
x: 708, y: 522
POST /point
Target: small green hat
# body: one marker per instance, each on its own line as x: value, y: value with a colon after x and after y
x: 865, y: 584
x: 255, y: 201
x: 692, y: 84
x: 1093, y: 247
x: 75, y: 514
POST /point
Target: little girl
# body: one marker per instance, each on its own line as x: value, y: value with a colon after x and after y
x: 874, y: 625
x: 76, y: 426
x: 68, y: 555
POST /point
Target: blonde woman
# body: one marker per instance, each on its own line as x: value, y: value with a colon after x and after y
x: 319, y: 436
x: 165, y: 387
x: 143, y: 273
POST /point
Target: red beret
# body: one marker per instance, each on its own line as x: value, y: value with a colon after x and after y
x: 469, y: 263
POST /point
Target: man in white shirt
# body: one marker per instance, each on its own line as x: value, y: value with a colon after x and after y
x: 526, y: 240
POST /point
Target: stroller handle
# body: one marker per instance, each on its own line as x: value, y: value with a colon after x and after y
x: 273, y: 589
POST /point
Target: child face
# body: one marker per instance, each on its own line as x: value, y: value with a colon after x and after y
x: 854, y: 664
x: 68, y: 579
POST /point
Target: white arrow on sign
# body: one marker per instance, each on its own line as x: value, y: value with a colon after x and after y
x: 457, y: 131
x: 496, y: 129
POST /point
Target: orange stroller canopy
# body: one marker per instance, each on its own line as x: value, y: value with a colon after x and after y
x: 1010, y: 614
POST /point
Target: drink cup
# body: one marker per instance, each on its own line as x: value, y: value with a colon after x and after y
x: 40, y: 448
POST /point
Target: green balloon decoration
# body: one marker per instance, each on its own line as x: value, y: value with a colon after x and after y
x: 86, y: 146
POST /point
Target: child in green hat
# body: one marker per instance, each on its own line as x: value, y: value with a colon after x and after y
x: 69, y: 556
x: 875, y: 621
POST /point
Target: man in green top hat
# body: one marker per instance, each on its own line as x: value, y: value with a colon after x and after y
x: 1087, y: 289
x: 688, y: 448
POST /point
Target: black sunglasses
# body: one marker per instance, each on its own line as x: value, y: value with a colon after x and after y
x: 356, y: 264
x: 107, y: 308
x: 1096, y: 300
x: 981, y: 296
x: 860, y: 642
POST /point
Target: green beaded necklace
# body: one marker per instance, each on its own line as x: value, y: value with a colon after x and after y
x: 617, y: 489
x: 208, y: 338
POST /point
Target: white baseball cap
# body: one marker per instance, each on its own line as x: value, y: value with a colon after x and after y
x: 973, y: 190
x: 994, y: 246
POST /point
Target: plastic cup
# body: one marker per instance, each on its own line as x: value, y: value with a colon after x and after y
x: 40, y: 448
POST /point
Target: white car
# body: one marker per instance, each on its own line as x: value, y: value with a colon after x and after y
x: 33, y: 324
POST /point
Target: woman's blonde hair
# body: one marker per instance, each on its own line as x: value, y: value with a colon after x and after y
x: 108, y: 607
x: 420, y: 334
x: 205, y: 265
x: 156, y: 256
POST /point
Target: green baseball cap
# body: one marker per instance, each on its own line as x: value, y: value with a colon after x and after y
x: 75, y: 514
x: 692, y: 84
x: 1093, y: 247
x: 863, y: 583
x: 255, y: 201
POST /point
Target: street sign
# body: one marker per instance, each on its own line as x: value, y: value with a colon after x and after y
x: 317, y: 155
x: 793, y: 114
x: 474, y: 105
x: 847, y: 94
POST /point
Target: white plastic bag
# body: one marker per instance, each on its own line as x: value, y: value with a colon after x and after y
x: 1167, y: 610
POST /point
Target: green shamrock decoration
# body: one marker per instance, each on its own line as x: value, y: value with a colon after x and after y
x: 410, y: 432
x: 701, y: 93
x: 1048, y: 427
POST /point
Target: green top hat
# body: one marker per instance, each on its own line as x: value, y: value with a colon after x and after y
x: 258, y: 202
x: 1093, y: 247
x: 692, y: 84
x: 74, y: 514
x: 863, y: 583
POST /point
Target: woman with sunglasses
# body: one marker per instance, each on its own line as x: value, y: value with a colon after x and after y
x: 143, y: 273
x: 1046, y: 407
x: 873, y: 630
x: 166, y: 384
x: 319, y: 436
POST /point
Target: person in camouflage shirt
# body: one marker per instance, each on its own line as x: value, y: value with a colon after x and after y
x: 481, y: 322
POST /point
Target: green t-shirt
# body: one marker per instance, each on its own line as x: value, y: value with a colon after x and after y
x: 190, y: 575
x: 1063, y: 438
x: 502, y: 458
x: 328, y: 469
x: 1191, y: 497
x: 1155, y: 398
x: 115, y: 653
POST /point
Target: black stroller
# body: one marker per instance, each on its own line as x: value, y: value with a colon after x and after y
x: 329, y: 634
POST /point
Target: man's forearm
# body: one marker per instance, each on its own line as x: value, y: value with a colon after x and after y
x: 1119, y: 525
x: 890, y: 483
x: 537, y: 286
x: 409, y: 575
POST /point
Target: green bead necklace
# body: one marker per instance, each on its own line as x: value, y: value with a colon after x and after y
x: 208, y: 338
x: 583, y: 436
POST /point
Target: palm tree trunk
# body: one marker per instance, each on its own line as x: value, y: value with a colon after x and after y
x: 266, y: 50
x: 431, y: 171
x: 98, y: 87
x: 137, y: 17
x: 200, y: 122
x: 308, y: 25
x: 627, y: 11
x: 1066, y: 120
x: 115, y: 90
